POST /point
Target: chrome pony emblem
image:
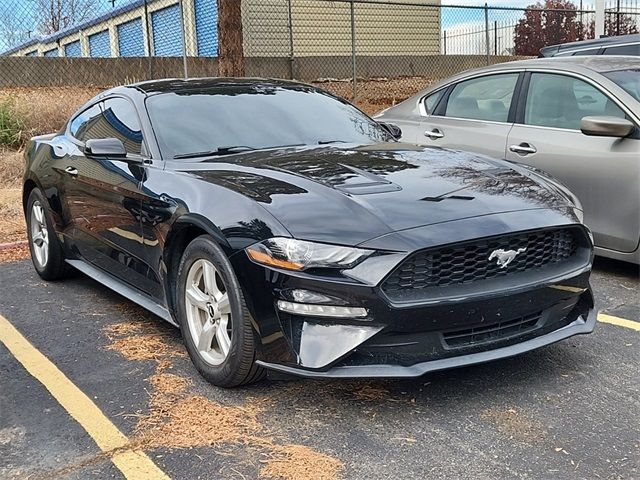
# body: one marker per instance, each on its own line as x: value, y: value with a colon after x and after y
x: 505, y: 257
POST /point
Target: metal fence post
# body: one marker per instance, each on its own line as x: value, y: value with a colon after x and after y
x: 486, y: 33
x: 445, y: 42
x: 291, y: 57
x: 599, y: 32
x: 148, y: 33
x: 184, y: 41
x: 353, y: 50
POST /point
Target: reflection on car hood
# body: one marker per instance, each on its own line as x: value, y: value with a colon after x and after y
x: 360, y: 192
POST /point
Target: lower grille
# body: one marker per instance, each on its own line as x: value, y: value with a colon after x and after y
x: 470, y: 262
x: 491, y: 333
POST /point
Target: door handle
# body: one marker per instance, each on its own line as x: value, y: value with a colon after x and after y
x: 71, y: 171
x: 434, y: 134
x: 523, y: 149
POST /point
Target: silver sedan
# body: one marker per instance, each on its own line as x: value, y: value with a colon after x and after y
x: 576, y: 118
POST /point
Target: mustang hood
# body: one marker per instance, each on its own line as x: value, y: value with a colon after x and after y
x: 358, y: 193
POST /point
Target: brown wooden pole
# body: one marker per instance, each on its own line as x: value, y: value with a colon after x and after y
x: 230, y: 49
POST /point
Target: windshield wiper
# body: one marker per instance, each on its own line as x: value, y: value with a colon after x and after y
x: 217, y: 151
x: 326, y: 142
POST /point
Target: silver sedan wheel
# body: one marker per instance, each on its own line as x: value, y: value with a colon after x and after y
x: 208, y: 312
x: 39, y: 234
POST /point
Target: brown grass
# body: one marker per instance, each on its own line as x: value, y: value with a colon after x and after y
x: 12, y: 225
x: 45, y: 110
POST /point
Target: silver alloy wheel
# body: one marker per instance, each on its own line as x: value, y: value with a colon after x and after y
x: 39, y: 234
x: 208, y: 312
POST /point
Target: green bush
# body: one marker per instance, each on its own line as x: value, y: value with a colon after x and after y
x: 11, y: 126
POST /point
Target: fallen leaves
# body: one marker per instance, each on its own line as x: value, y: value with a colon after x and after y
x: 180, y: 420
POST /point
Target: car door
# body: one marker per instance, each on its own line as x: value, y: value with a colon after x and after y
x: 474, y: 114
x: 104, y: 195
x: 603, y: 172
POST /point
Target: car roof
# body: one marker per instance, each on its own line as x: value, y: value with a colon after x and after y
x: 605, y: 41
x: 597, y: 63
x: 179, y: 85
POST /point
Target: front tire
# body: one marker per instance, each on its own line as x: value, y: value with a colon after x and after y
x: 213, y: 317
x: 46, y: 251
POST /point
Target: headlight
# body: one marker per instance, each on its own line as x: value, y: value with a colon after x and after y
x: 294, y: 254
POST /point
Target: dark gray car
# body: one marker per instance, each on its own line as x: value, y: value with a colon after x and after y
x: 576, y: 118
x: 619, y: 45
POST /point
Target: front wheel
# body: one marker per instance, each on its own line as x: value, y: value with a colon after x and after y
x: 46, y: 250
x: 214, y: 320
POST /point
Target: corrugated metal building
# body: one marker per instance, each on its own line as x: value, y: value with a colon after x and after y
x: 271, y: 29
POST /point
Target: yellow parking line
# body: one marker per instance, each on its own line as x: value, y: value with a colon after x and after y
x: 134, y: 464
x: 620, y: 322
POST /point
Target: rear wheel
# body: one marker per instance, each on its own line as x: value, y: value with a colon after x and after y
x: 215, y: 323
x: 46, y: 251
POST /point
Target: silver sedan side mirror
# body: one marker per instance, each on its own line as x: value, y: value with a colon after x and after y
x: 606, y: 126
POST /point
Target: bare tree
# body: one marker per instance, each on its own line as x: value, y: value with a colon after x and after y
x: 16, y: 25
x: 55, y: 15
x: 231, y: 54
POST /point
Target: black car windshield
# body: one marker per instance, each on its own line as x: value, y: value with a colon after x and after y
x: 231, y: 119
x: 629, y: 80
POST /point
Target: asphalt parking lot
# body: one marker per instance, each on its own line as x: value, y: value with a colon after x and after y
x: 118, y: 384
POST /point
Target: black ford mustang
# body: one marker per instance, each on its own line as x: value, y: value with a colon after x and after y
x: 282, y: 228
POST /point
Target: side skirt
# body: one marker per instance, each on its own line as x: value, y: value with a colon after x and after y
x: 117, y: 286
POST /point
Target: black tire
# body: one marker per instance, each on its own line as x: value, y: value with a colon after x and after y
x: 239, y: 367
x: 54, y: 268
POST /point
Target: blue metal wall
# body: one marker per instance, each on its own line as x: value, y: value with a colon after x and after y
x: 206, y: 12
x: 51, y: 53
x: 131, y: 39
x: 167, y: 34
x: 99, y: 45
x: 73, y: 49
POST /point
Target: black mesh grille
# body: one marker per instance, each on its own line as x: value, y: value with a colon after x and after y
x: 490, y: 333
x: 469, y: 262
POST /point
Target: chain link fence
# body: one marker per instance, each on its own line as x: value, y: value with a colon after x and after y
x: 376, y: 52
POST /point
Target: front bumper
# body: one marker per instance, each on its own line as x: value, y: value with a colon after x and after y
x: 397, y: 340
x: 581, y: 325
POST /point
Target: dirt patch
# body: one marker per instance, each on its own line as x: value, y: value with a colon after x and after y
x: 175, y: 418
x: 514, y: 425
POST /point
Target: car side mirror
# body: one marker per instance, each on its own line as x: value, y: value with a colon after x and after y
x: 602, y: 126
x: 105, y: 148
x: 393, y: 130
